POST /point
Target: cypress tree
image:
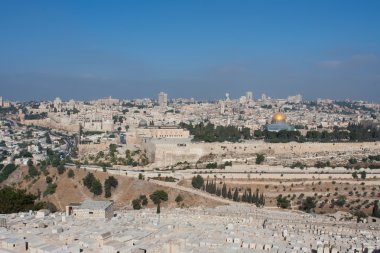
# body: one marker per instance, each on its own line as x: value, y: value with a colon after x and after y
x: 236, y: 195
x: 261, y: 199
x: 218, y: 192
x: 250, y: 196
x: 375, y: 210
x: 224, y: 191
x: 229, y: 194
x: 244, y: 197
x: 257, y: 196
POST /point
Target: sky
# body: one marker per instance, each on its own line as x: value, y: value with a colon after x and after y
x: 86, y: 49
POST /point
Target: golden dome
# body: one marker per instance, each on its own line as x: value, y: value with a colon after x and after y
x: 279, y: 117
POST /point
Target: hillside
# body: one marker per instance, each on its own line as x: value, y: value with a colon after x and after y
x: 73, y: 190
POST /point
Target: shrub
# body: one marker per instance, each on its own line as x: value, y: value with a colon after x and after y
x: 136, y: 204
x: 70, y: 173
x: 178, y: 199
x: 282, y: 202
x: 197, y: 182
x: 260, y: 158
x: 48, y: 180
x: 6, y: 171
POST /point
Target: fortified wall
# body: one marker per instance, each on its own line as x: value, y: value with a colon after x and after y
x: 53, y: 124
x: 166, y: 153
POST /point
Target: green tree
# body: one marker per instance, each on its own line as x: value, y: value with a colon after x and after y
x: 88, y: 179
x: 112, y: 149
x: 32, y: 171
x: 50, y: 189
x: 353, y: 160
x: 15, y: 200
x: 236, y: 195
x: 136, y: 204
x: 61, y: 169
x: 197, y: 182
x: 29, y: 163
x: 363, y: 175
x: 144, y: 200
x: 308, y: 204
x: 341, y: 201
x: 224, y: 191
x: 355, y: 175
x: 229, y: 194
x: 110, y: 182
x: 157, y: 197
x: 178, y: 199
x: 70, y: 173
x: 96, y: 187
x: 260, y: 158
x: 6, y: 171
x: 93, y: 184
x: 282, y: 202
x: 375, y: 210
x: 360, y: 215
x: 48, y: 180
x: 47, y: 138
x: 212, y: 165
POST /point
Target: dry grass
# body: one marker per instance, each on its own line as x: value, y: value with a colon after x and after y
x: 72, y: 189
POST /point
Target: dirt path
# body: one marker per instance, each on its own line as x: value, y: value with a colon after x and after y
x: 193, y: 191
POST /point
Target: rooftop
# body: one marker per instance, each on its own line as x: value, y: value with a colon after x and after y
x: 95, y: 205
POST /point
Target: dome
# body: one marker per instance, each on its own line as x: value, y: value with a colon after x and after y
x: 278, y: 117
x: 143, y: 123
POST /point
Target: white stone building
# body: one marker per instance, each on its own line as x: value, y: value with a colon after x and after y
x: 90, y: 209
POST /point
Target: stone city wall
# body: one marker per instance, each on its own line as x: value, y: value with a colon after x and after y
x: 51, y: 124
x: 165, y: 154
x: 94, y: 148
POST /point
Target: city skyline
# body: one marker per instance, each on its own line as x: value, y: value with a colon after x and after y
x: 82, y: 50
x: 189, y: 126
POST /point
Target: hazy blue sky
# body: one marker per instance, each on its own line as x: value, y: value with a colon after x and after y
x: 87, y: 49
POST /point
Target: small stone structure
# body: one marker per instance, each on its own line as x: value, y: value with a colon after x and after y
x: 90, y: 209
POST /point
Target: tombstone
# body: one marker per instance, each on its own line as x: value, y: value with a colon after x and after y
x: 237, y: 240
x: 285, y: 233
x: 267, y: 246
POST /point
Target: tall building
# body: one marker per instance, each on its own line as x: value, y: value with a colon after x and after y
x: 58, y: 104
x: 295, y: 99
x: 249, y: 95
x: 1, y: 101
x: 162, y: 99
x: 222, y: 107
